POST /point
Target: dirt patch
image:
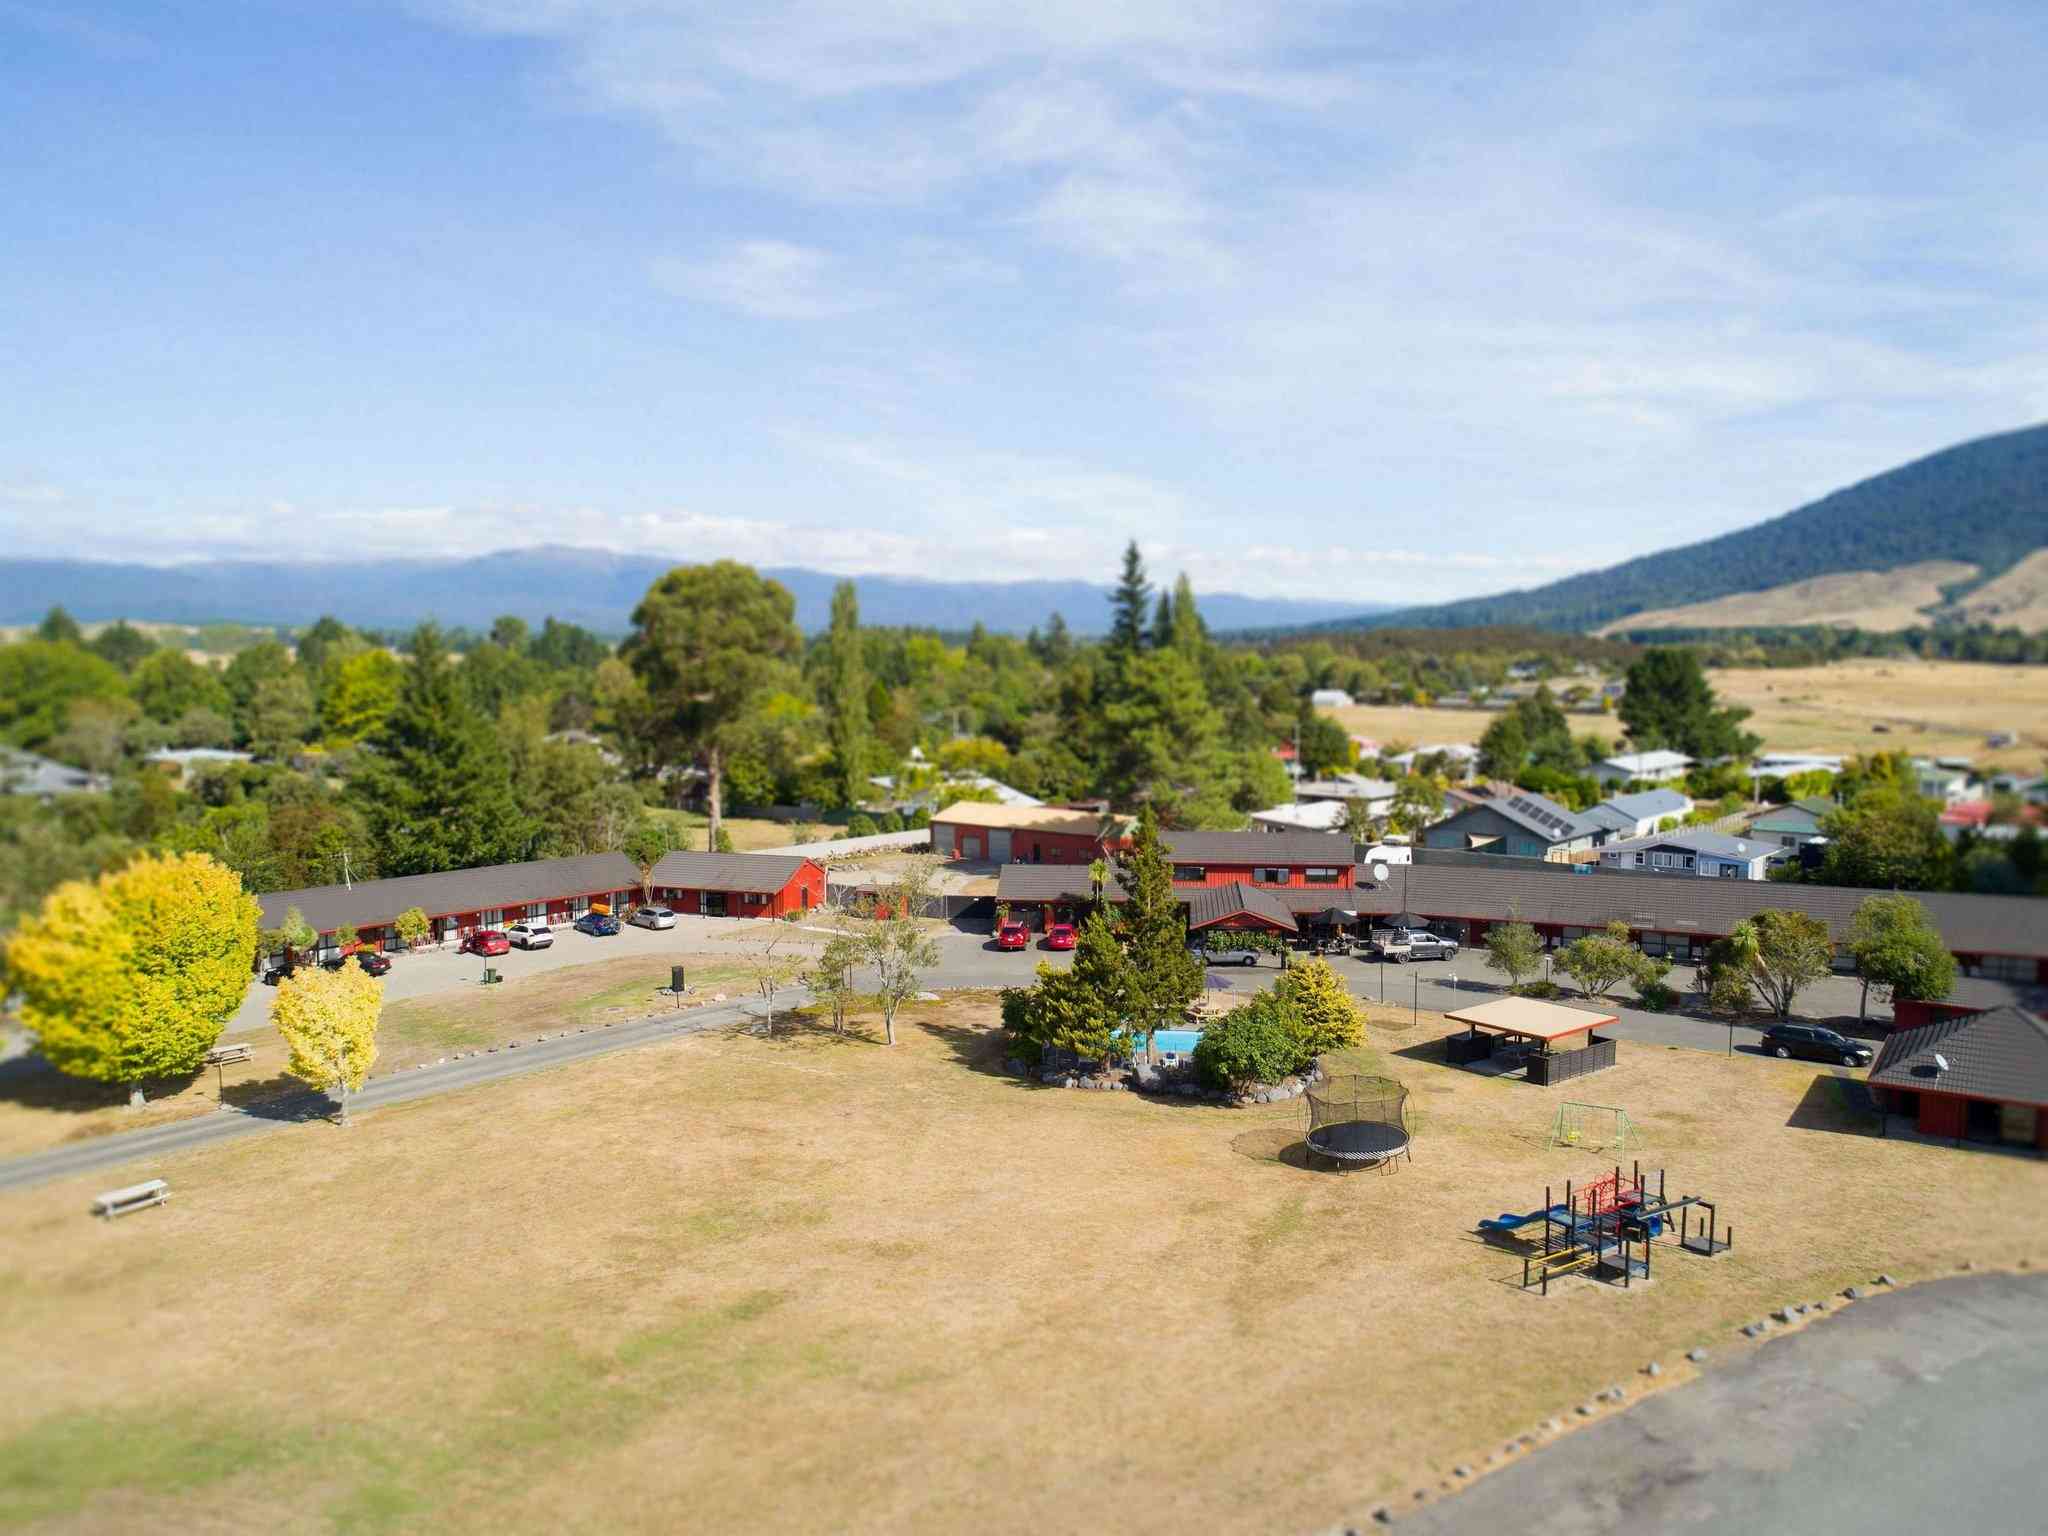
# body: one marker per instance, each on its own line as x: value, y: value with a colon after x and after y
x: 814, y: 1282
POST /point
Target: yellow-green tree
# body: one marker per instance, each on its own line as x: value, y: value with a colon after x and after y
x: 1323, y: 1015
x: 132, y: 976
x: 329, y: 1023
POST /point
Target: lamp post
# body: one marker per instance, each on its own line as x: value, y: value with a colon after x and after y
x: 1415, y: 1002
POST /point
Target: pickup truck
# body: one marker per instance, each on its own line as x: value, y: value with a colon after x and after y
x: 1403, y: 944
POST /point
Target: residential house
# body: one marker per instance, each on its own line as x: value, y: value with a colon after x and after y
x: 1461, y: 755
x: 181, y: 762
x: 1791, y: 825
x: 2032, y: 788
x: 1330, y: 698
x: 1658, y: 767
x: 1941, y: 781
x: 1312, y: 816
x: 1522, y: 825
x: 1639, y: 814
x: 1783, y: 765
x: 1697, y: 852
x: 1343, y: 788
x: 1971, y: 1076
x: 25, y: 773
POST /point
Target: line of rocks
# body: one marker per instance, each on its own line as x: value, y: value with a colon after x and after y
x: 1165, y: 1082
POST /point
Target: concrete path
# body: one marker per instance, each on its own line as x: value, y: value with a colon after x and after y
x: 1915, y: 1411
x: 274, y: 1114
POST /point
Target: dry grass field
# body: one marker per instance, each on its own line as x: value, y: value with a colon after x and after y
x: 1929, y: 708
x: 1873, y: 600
x: 749, y: 834
x: 731, y: 1283
x: 47, y: 1109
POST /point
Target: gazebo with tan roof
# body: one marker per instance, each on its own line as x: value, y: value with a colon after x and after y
x: 1553, y: 1042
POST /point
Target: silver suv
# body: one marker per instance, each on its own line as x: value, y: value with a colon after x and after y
x: 532, y: 934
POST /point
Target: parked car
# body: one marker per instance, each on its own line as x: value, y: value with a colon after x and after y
x: 653, y: 917
x: 1399, y: 945
x: 1060, y: 936
x: 1813, y: 1043
x: 371, y: 961
x: 531, y: 934
x: 1224, y: 957
x: 1013, y: 936
x: 485, y: 941
x: 599, y: 925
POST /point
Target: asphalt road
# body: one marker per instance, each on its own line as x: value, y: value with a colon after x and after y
x: 1914, y: 1411
x: 228, y: 1123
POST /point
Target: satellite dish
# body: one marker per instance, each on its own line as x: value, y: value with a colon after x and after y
x: 1940, y: 1062
x: 1379, y: 871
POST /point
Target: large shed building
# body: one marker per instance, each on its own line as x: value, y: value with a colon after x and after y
x: 1977, y: 1077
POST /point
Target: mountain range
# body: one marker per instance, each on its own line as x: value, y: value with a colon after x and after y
x: 1982, y: 504
x: 595, y: 588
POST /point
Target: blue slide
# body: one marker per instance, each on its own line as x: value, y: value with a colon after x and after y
x: 1508, y: 1221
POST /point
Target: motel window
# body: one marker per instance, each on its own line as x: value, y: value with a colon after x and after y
x: 2007, y: 967
x: 1324, y: 876
x: 490, y: 918
x: 1190, y: 873
x: 1269, y: 875
x: 1639, y: 861
x: 1688, y: 861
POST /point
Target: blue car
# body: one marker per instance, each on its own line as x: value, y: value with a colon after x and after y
x: 597, y: 924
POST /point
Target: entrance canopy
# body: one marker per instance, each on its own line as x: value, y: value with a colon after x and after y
x: 1529, y: 1019
x: 1237, y: 906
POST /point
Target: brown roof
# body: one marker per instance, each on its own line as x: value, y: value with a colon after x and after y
x: 2001, y: 1054
x: 1529, y: 1016
x: 1051, y: 882
x: 1020, y: 818
x: 1208, y: 904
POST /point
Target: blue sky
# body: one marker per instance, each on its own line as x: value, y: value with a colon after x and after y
x: 1378, y: 301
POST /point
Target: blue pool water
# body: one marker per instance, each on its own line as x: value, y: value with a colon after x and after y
x: 1179, y: 1041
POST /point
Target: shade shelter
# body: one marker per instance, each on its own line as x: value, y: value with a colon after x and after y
x: 1553, y: 1043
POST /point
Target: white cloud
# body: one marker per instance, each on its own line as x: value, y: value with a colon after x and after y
x: 772, y: 278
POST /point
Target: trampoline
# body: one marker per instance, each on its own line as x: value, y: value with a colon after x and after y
x: 1358, y: 1122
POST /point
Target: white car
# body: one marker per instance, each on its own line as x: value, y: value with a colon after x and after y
x: 652, y: 917
x: 531, y: 935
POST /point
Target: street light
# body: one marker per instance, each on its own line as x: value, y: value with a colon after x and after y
x: 1415, y: 1002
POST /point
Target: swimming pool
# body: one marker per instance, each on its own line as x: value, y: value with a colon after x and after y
x: 1176, y: 1042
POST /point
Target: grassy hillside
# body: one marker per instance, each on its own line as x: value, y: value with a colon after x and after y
x: 1984, y: 503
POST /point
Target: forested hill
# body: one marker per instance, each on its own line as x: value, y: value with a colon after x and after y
x: 1984, y: 502
x: 592, y: 587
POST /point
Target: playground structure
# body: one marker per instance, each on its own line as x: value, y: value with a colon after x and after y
x: 1358, y: 1122
x: 1596, y: 1127
x: 1607, y: 1229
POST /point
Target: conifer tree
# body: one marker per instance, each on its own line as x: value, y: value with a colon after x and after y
x: 437, y: 791
x: 846, y: 695
x: 1130, y: 605
x: 1165, y: 977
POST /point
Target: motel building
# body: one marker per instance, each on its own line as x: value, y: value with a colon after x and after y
x: 1019, y: 834
x: 460, y: 902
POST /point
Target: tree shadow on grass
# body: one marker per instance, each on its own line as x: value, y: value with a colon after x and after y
x: 979, y: 1050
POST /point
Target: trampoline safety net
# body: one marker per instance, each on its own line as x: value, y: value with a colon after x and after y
x: 1358, y: 1121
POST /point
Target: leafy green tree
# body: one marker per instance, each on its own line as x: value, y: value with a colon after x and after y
x: 437, y: 792
x: 329, y: 1023
x: 1600, y: 962
x: 39, y: 682
x: 566, y: 646
x: 200, y: 726
x: 132, y: 976
x: 1670, y: 704
x: 708, y: 641
x: 1515, y: 950
x: 168, y: 683
x: 509, y: 633
x: 412, y: 927
x: 646, y: 845
x: 1888, y: 837
x: 1504, y: 749
x: 58, y: 625
x: 1163, y: 977
x: 122, y: 644
x: 846, y: 696
x: 1898, y: 948
x: 1325, y: 746
x: 358, y: 692
x: 1258, y: 1042
x: 1726, y: 979
x: 493, y: 677
x: 1417, y: 803
x: 831, y: 977
x: 894, y: 943
x: 1793, y: 949
x: 1320, y: 1010
x: 279, y: 717
x: 96, y: 734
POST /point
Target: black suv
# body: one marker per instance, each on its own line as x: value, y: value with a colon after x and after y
x: 1813, y: 1043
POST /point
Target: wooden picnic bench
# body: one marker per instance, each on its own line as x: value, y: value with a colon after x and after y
x: 223, y: 1055
x: 136, y: 1197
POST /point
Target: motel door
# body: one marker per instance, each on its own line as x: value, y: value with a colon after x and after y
x: 999, y: 845
x: 714, y: 903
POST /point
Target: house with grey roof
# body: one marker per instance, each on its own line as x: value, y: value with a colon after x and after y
x: 1522, y: 824
x: 26, y: 773
x: 1695, y: 851
x: 1658, y: 767
x: 1790, y: 825
x: 1976, y: 1076
x: 1639, y: 814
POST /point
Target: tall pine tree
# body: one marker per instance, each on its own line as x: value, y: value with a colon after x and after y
x: 437, y: 790
x: 846, y: 695
x: 1130, y: 606
x: 1164, y: 978
x: 1187, y: 632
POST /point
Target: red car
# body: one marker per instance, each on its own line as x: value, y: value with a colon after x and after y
x: 1060, y: 936
x: 486, y: 941
x: 1013, y: 936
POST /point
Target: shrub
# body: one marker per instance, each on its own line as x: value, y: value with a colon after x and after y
x: 1657, y: 996
x: 1257, y: 1043
x: 918, y: 819
x: 1538, y: 989
x: 889, y: 821
x: 1322, y: 1012
x: 860, y: 824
